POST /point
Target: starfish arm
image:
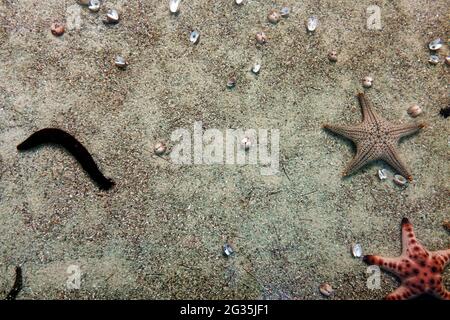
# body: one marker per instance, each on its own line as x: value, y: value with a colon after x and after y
x: 364, y: 154
x: 354, y: 133
x: 410, y: 246
x: 443, y: 256
x: 442, y: 293
x: 403, y: 130
x: 392, y: 158
x: 389, y: 264
x: 408, y: 236
x: 368, y: 114
x: 401, y: 293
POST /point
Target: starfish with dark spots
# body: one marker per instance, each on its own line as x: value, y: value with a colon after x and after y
x: 419, y: 270
x: 375, y: 139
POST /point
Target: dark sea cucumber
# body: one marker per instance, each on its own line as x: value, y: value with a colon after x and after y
x: 17, y: 286
x: 68, y: 142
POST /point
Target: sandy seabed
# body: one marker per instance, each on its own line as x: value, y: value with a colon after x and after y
x: 158, y: 234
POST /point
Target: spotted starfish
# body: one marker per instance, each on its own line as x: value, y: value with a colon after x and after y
x: 375, y: 138
x: 420, y: 270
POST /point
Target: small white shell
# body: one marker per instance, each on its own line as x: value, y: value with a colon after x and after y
x: 227, y: 250
x: 239, y: 1
x: 311, y: 23
x: 284, y: 12
x: 246, y: 143
x: 447, y: 60
x: 173, y: 5
x: 194, y: 36
x: 357, y: 250
x: 160, y: 148
x: 256, y: 68
x: 94, y: 5
x: 382, y: 174
x: 120, y: 62
x: 332, y: 56
x: 414, y: 110
x: 112, y: 16
x: 367, y: 82
x: 400, y: 180
x: 273, y: 16
x: 436, y: 44
x: 434, y: 59
x: 326, y: 289
x: 231, y: 83
x: 261, y: 37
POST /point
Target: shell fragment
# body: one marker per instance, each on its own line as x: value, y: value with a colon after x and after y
x: 120, y: 62
x: 284, y: 12
x: 112, y: 16
x: 311, y: 23
x: 256, y: 68
x: 194, y: 36
x: 436, y: 44
x: 227, y: 250
x: 94, y: 5
x: 357, y: 250
x: 382, y: 174
x: 173, y: 5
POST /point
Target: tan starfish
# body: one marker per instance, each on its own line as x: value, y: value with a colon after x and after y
x: 375, y: 138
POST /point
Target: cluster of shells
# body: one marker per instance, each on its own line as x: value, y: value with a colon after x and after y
x: 398, y: 179
x: 325, y: 288
x: 111, y: 17
x: 438, y: 47
x: 274, y: 16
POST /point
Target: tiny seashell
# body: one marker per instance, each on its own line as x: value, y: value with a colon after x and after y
x: 112, y: 16
x: 434, y: 59
x: 382, y: 174
x: 367, y: 82
x: 160, y: 148
x: 256, y: 68
x: 261, y: 37
x: 94, y: 5
x: 326, y: 289
x: 414, y: 110
x: 273, y: 16
x: 239, y: 1
x: 173, y: 5
x: 332, y: 56
x: 194, y: 36
x: 246, y: 143
x: 447, y: 60
x: 120, y: 62
x: 436, y: 44
x: 57, y: 29
x: 231, y: 82
x: 284, y: 12
x: 400, y: 180
x: 357, y: 250
x: 311, y: 23
x: 227, y: 250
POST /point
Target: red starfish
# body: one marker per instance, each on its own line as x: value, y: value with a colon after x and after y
x: 419, y: 270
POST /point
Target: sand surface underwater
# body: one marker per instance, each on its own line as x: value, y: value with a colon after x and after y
x: 158, y: 234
